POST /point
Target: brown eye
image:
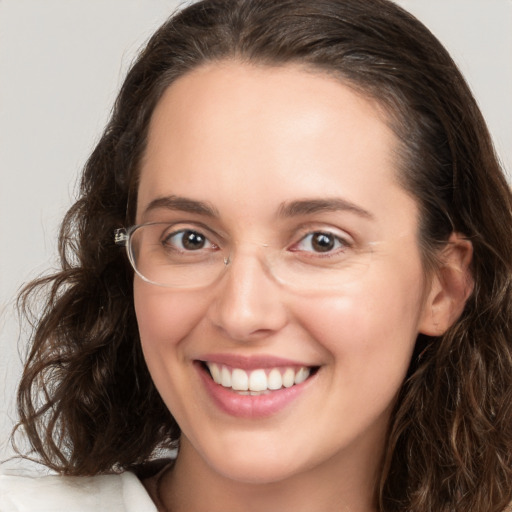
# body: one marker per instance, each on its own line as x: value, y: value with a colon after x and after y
x: 192, y: 240
x: 187, y: 240
x: 322, y: 242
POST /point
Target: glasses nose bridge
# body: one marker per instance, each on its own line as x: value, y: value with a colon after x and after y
x: 240, y: 251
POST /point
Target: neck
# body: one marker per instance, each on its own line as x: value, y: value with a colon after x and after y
x: 343, y: 483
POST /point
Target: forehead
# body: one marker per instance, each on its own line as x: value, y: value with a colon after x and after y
x: 231, y: 132
x: 257, y: 103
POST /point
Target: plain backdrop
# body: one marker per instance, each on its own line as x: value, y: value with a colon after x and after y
x: 61, y: 63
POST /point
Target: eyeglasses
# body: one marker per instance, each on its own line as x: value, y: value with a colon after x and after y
x: 177, y: 256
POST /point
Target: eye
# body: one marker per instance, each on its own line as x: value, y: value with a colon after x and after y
x: 321, y: 242
x: 187, y: 240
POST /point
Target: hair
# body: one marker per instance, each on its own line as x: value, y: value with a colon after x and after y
x: 86, y: 400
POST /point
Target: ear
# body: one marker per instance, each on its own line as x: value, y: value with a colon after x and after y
x: 451, y: 285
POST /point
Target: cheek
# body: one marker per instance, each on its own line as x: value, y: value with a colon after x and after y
x: 164, y: 318
x: 370, y: 329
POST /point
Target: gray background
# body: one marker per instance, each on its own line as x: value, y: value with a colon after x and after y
x: 61, y: 63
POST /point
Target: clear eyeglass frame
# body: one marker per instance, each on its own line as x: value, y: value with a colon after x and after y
x: 155, y: 264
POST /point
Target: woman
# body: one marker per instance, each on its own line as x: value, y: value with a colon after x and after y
x: 314, y: 303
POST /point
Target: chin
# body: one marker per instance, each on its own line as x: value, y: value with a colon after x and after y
x: 256, y: 472
x: 252, y: 463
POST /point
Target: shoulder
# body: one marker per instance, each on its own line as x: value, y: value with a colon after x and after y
x: 115, y: 493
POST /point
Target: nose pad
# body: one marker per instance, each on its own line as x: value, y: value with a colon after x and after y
x: 248, y: 303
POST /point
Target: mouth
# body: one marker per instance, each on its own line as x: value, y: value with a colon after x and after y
x: 260, y: 381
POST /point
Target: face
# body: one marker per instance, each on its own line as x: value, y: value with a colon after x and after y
x: 255, y: 151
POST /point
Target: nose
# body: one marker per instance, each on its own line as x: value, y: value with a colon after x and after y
x: 248, y: 304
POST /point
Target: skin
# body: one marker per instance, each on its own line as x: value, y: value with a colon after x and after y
x: 246, y: 140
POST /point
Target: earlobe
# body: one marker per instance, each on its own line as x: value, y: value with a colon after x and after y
x: 451, y: 286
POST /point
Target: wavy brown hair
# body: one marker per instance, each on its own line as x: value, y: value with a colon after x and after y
x: 86, y: 400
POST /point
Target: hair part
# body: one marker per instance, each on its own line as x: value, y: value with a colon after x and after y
x: 86, y: 400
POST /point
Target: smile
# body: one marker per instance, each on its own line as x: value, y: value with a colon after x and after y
x: 254, y: 388
x: 258, y: 381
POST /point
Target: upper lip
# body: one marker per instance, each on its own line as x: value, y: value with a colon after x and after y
x: 251, y: 362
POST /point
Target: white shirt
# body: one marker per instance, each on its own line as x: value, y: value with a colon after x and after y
x: 110, y: 493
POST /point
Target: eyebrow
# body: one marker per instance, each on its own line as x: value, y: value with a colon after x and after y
x: 290, y: 209
x: 311, y: 206
x: 183, y: 204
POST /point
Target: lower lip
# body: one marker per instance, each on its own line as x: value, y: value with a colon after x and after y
x: 250, y: 406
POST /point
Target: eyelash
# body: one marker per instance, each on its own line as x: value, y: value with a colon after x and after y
x: 167, y: 237
x: 339, y: 244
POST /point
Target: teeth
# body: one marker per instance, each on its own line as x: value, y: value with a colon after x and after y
x: 239, y: 380
x: 225, y: 377
x: 301, y: 375
x: 288, y: 378
x: 216, y: 373
x: 258, y: 381
x: 274, y: 379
